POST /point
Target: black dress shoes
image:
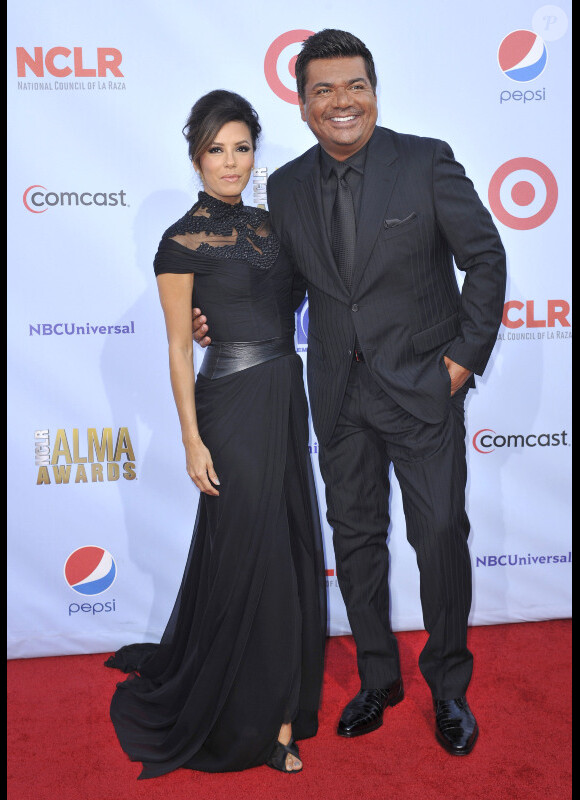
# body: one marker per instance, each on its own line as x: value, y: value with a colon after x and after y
x: 364, y: 713
x: 455, y: 726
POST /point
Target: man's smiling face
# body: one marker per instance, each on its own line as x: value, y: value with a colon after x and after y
x: 339, y: 106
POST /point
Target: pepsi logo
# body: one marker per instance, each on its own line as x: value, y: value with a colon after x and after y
x: 279, y: 64
x: 523, y: 193
x: 522, y: 56
x: 90, y: 570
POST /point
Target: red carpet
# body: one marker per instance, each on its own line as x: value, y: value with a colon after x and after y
x: 61, y: 745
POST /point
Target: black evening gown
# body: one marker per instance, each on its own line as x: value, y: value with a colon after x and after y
x: 243, y: 649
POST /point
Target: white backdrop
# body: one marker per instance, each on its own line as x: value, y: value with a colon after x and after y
x: 100, y: 506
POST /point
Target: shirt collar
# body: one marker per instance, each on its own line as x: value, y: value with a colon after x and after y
x: 356, y: 162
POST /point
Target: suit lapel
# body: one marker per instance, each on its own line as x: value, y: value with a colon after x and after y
x: 381, y: 171
x: 308, y: 198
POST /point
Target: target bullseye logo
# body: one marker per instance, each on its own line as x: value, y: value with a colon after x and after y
x: 279, y: 64
x: 522, y: 56
x: 90, y: 570
x: 523, y: 193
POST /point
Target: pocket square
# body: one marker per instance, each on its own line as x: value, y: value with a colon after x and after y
x: 393, y: 223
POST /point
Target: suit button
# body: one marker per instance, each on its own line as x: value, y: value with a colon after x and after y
x: 354, y: 307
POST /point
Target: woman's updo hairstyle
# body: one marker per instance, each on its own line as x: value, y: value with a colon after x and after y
x: 211, y: 113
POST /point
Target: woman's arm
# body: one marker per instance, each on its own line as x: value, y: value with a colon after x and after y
x: 175, y: 294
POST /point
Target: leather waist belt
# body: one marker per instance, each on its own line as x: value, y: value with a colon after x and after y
x: 225, y: 358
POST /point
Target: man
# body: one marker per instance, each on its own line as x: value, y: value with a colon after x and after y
x: 392, y: 348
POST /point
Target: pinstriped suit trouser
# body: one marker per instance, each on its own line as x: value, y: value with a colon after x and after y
x: 430, y: 464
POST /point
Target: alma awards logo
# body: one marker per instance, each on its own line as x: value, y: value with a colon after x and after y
x: 90, y: 457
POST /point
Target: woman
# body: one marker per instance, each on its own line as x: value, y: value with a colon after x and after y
x: 237, y: 676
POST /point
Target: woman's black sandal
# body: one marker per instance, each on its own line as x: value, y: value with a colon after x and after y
x: 279, y: 755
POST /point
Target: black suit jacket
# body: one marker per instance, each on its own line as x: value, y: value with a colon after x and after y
x: 418, y: 212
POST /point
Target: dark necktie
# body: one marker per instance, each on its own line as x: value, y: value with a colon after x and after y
x: 343, y: 226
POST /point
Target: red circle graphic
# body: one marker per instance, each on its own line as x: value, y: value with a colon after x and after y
x: 523, y: 193
x: 271, y: 64
x: 523, y: 196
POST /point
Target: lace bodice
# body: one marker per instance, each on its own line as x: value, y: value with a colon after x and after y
x: 243, y: 278
x: 213, y: 227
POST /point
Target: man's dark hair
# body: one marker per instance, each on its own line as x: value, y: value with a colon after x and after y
x: 210, y: 113
x: 331, y: 43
